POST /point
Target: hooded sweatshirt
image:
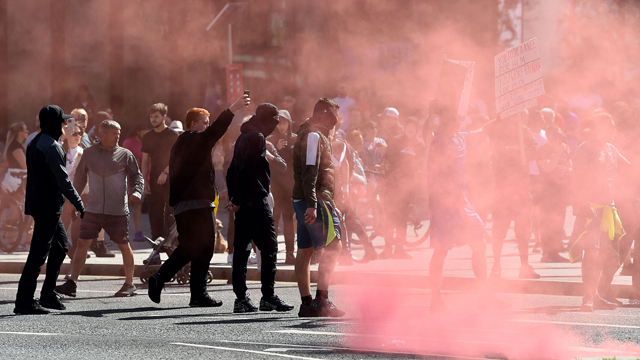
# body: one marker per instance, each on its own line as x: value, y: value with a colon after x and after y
x: 249, y: 177
x: 47, y: 180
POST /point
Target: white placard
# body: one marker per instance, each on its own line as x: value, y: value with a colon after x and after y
x: 518, y: 78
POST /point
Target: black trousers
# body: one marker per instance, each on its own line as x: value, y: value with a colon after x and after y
x: 197, y: 237
x: 160, y: 217
x: 49, y: 240
x: 254, y: 222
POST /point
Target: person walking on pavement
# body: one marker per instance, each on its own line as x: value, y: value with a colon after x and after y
x: 47, y: 187
x: 317, y: 214
x: 156, y: 150
x: 248, y: 180
x: 193, y: 193
x: 109, y: 169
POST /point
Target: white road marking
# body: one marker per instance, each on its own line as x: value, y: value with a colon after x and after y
x: 28, y: 333
x: 247, y: 351
x: 307, y: 332
x: 577, y: 324
x: 280, y: 349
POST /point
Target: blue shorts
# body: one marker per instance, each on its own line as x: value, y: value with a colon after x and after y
x: 323, y: 231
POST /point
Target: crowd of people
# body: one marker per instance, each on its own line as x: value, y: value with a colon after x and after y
x: 339, y: 172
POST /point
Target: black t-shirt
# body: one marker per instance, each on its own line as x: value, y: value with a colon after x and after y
x: 13, y: 163
x: 158, y: 145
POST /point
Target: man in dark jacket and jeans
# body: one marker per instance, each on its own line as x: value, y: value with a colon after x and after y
x: 248, y: 180
x: 47, y: 186
x: 192, y: 196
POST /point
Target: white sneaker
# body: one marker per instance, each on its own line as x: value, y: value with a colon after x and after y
x: 253, y: 259
x: 229, y: 258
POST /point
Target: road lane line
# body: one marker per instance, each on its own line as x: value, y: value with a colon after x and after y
x: 576, y: 324
x: 28, y: 333
x: 247, y: 351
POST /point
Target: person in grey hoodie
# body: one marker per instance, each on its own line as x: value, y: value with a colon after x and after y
x: 110, y: 169
x: 47, y: 186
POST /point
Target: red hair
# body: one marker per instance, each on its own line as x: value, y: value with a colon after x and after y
x: 192, y: 116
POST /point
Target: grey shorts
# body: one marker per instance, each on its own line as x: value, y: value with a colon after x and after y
x: 116, y: 226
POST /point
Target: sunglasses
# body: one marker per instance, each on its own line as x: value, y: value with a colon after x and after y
x: 77, y: 133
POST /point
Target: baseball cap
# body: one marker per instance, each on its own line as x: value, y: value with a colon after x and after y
x: 176, y: 125
x: 391, y: 112
x: 284, y: 114
x: 52, y: 113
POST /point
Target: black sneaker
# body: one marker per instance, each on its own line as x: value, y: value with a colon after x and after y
x: 244, y: 306
x: 155, y: 288
x: 527, y: 272
x: 327, y: 309
x: 602, y: 304
x: 370, y: 254
x: 308, y: 311
x: 126, y: 291
x: 387, y: 253
x: 100, y: 250
x: 68, y: 288
x: 33, y: 308
x: 274, y: 303
x: 205, y: 301
x: 52, y: 301
x: 587, y: 304
x: 610, y: 298
x: 401, y: 253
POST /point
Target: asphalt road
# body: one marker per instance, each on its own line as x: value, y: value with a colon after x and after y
x: 99, y: 326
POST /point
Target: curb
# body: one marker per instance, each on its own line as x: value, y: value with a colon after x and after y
x: 222, y: 272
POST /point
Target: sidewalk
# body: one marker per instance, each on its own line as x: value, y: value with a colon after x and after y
x: 557, y: 279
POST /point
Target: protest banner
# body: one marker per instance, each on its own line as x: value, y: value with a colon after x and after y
x: 466, y: 90
x: 518, y: 78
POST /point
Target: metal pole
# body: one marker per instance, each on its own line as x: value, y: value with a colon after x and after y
x: 230, y: 46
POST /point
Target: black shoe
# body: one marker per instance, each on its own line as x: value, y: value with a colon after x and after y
x: 611, y: 299
x: 274, y: 303
x: 291, y: 259
x: 627, y: 270
x: 308, y: 311
x: 370, y: 254
x: 126, y: 291
x: 602, y: 304
x: 155, y: 288
x: 554, y: 258
x: 387, y: 253
x: 527, y: 272
x: 326, y: 308
x: 205, y: 301
x: 100, y: 250
x: 33, y: 308
x: 68, y: 288
x: 52, y: 301
x: 244, y: 306
x: 587, y: 304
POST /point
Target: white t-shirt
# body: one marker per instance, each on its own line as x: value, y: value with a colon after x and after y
x: 346, y: 105
x: 541, y: 139
x: 579, y: 101
x: 71, y: 155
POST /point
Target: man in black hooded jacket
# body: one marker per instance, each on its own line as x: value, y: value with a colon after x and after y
x: 48, y: 185
x: 192, y: 196
x: 248, y: 180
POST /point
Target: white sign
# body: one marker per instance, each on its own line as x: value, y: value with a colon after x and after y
x: 518, y: 78
x: 466, y: 91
